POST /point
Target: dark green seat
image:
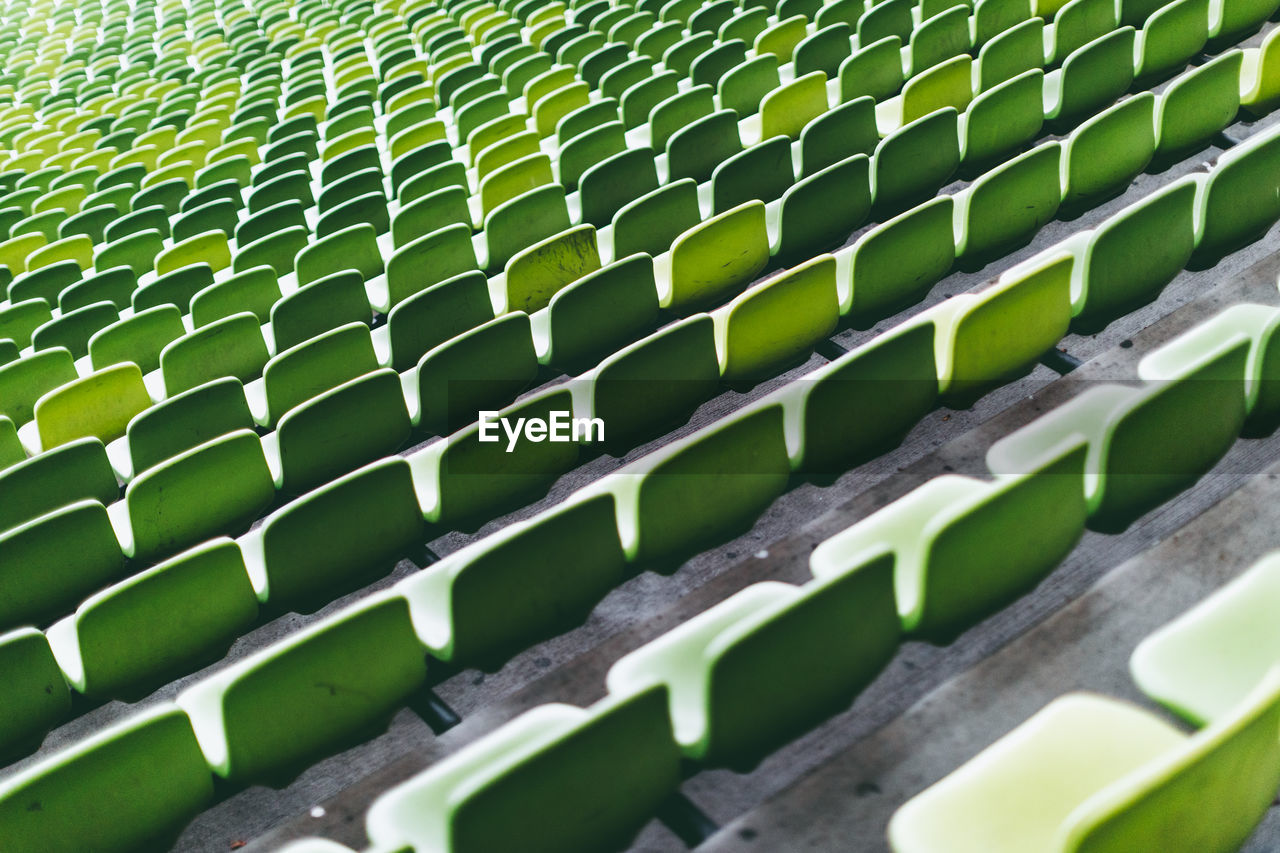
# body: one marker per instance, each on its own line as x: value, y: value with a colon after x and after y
x: 185, y: 420
x: 231, y: 346
x: 334, y: 300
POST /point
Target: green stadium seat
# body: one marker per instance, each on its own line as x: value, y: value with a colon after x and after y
x: 597, y: 313
x: 61, y: 497
x: 74, y: 328
x: 261, y: 717
x: 98, y: 405
x: 300, y: 372
x: 254, y: 290
x: 1008, y: 205
x: 339, y: 430
x: 217, y: 487
x: 711, y: 663
x: 1136, y: 773
x: 138, y: 339
x: 823, y: 209
x: 1105, y: 153
x: 162, y: 621
x: 521, y: 779
x: 698, y: 272
x: 36, y: 696
x: 232, y: 346
x: 344, y: 533
x: 1198, y: 105
x: 134, y: 783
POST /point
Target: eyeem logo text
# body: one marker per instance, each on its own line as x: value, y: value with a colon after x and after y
x: 560, y: 427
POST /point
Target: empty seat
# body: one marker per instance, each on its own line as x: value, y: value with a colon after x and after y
x: 529, y: 582
x: 777, y: 322
x: 483, y: 368
x: 533, y: 276
x: 1240, y: 201
x: 187, y: 419
x: 702, y: 488
x: 333, y: 300
x: 1108, y: 151
x: 1006, y: 207
x: 232, y: 346
x: 133, y: 784
x: 309, y: 694
x: 1136, y: 460
x: 1128, y: 778
x: 471, y: 476
x: 160, y: 622
x: 344, y: 534
x: 597, y: 313
x: 712, y: 663
x: 312, y: 367
x: 715, y: 259
x: 896, y: 263
x: 530, y: 783
x: 26, y: 380
x: 1198, y: 105
x: 341, y: 429
x: 254, y: 290
x: 216, y: 487
x: 99, y: 405
x: 36, y: 696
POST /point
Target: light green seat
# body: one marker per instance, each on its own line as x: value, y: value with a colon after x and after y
x: 133, y: 784
x: 36, y: 697
x: 254, y: 290
x: 896, y: 263
x: 99, y: 405
x: 341, y: 429
x: 1027, y: 309
x: 208, y: 248
x: 715, y: 259
x: 777, y: 323
x: 479, y: 369
x: 1006, y: 207
x: 1206, y: 662
x: 1198, y: 105
x: 545, y: 782
x: 534, y: 275
x: 1002, y: 119
x: 269, y: 714
x: 1147, y: 444
x: 964, y: 548
x: 314, y: 366
x: 1104, y: 154
x: 216, y: 487
x: 514, y: 179
x: 947, y: 84
x: 1233, y: 19
x: 161, y: 622
x: 598, y: 313
x: 786, y: 110
x: 1240, y: 200
x: 1259, y: 80
x: 138, y: 339
x: 703, y: 488
x: 184, y: 420
x: 469, y: 480
x: 1134, y: 253
x: 528, y: 582
x: 342, y: 535
x: 712, y: 664
x: 1091, y: 773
